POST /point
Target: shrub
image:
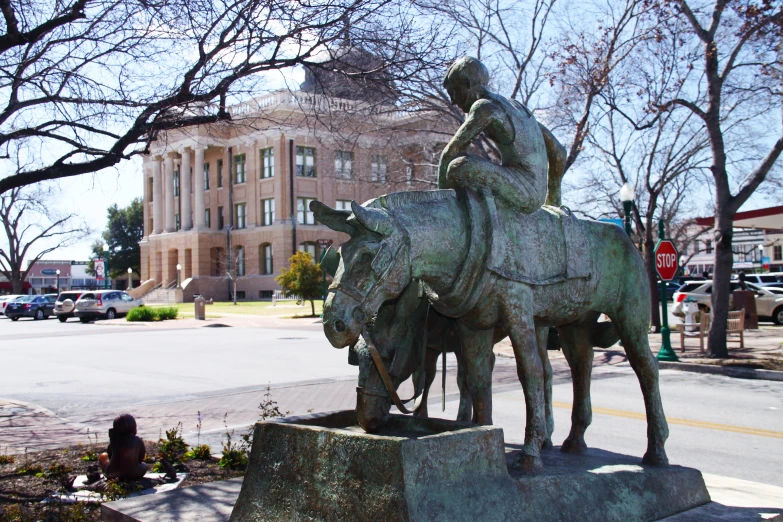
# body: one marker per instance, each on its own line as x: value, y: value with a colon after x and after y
x: 145, y: 313
x: 141, y: 313
x: 201, y: 452
x: 234, y: 455
x: 173, y: 447
x: 167, y: 313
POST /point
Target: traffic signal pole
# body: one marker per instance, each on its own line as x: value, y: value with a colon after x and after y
x: 665, y: 353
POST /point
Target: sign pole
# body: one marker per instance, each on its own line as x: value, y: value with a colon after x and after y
x: 665, y: 353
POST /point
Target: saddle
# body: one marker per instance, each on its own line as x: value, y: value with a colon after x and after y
x: 542, y: 248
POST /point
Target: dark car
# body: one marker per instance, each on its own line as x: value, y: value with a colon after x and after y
x: 65, y: 305
x: 35, y: 306
x: 675, y: 284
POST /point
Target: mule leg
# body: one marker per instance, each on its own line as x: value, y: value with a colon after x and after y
x: 477, y: 362
x: 465, y: 413
x: 575, y: 341
x: 518, y: 310
x: 542, y: 335
x: 632, y: 329
x: 430, y: 369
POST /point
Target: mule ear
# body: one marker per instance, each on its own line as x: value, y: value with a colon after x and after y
x: 332, y: 218
x: 330, y: 261
x: 373, y: 219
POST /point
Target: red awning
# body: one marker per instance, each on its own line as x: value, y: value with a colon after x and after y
x: 6, y: 285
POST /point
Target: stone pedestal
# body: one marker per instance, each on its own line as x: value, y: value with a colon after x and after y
x: 324, y: 467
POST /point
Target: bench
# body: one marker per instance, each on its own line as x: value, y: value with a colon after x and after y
x: 735, y: 326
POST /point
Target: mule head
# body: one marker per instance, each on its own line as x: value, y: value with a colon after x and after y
x: 374, y: 267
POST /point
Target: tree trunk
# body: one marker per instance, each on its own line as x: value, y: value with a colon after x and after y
x: 235, y: 292
x: 721, y: 285
x: 16, y: 284
x: 649, y: 261
x: 312, y: 307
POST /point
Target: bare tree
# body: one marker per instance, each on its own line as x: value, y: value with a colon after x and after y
x: 732, y: 84
x: 31, y: 229
x: 93, y: 82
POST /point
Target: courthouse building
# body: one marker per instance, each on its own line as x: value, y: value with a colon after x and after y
x: 232, y: 199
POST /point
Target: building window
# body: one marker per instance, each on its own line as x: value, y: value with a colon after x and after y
x: 379, y: 168
x: 708, y: 246
x: 221, y: 220
x: 220, y: 173
x: 343, y: 204
x: 269, y: 211
x: 176, y: 183
x: 305, y: 162
x: 240, y: 215
x: 240, y: 259
x: 266, y: 266
x: 409, y: 174
x: 176, y: 221
x: 343, y: 163
x: 304, y: 215
x: 268, y: 163
x: 309, y: 247
x: 777, y: 253
x: 207, y: 220
x: 239, y: 169
x: 206, y: 176
x: 150, y: 188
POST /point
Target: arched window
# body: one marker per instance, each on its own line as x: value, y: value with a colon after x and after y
x: 309, y: 247
x: 266, y: 264
x: 239, y: 258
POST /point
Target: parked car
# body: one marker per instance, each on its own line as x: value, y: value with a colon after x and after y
x: 35, y: 306
x: 5, y: 299
x: 675, y: 284
x: 760, y: 279
x: 769, y: 304
x: 65, y: 305
x: 104, y: 304
x: 772, y: 285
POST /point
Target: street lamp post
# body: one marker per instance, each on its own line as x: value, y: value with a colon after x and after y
x: 626, y: 196
x: 105, y: 266
x: 761, y: 257
x: 130, y: 278
x: 58, y: 280
x: 179, y: 268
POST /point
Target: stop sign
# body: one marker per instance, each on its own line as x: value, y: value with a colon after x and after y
x: 666, y: 260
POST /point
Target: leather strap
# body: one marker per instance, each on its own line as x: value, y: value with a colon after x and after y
x: 376, y: 357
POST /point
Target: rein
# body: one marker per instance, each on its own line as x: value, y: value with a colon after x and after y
x: 387, y: 381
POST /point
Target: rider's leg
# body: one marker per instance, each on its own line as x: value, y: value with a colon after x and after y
x: 519, y: 189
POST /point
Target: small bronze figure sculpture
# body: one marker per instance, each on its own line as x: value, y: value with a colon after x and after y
x: 124, y: 458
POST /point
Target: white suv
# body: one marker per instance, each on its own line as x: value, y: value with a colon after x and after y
x: 104, y: 304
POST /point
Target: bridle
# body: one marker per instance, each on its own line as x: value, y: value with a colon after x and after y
x: 386, y: 378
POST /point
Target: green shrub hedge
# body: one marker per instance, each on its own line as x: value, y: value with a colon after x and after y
x: 145, y: 313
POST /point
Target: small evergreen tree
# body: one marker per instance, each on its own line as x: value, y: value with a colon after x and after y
x: 302, y: 278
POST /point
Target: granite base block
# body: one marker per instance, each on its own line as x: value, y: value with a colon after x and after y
x: 324, y: 467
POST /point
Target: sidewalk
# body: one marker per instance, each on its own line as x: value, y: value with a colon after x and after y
x: 226, y: 320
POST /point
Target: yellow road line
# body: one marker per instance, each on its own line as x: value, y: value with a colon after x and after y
x: 671, y: 420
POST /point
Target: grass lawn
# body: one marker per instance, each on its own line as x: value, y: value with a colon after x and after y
x: 284, y: 308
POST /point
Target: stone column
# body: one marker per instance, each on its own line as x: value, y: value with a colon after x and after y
x: 198, y: 179
x: 184, y: 196
x: 168, y: 163
x: 157, y: 196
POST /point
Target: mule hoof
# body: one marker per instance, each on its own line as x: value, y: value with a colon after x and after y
x: 528, y: 462
x: 655, y: 458
x: 576, y: 447
x: 547, y: 444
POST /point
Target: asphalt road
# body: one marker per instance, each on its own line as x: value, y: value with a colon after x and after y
x: 86, y: 374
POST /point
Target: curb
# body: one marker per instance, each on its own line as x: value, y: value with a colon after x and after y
x: 741, y: 373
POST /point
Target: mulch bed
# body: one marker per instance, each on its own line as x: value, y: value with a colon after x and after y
x: 33, y: 477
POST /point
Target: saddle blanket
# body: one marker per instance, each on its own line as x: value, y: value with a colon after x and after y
x: 545, y: 247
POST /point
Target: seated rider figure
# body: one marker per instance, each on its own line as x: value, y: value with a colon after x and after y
x: 528, y: 151
x: 124, y: 458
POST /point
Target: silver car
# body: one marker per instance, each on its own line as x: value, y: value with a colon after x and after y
x: 104, y: 304
x: 769, y: 303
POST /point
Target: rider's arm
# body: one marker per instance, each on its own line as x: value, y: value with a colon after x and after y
x: 556, y: 154
x: 479, y: 118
